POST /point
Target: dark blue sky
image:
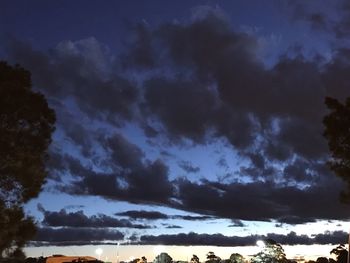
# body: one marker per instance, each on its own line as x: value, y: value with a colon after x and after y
x: 172, y: 118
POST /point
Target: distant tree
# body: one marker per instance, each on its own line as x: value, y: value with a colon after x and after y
x: 26, y: 126
x: 322, y: 260
x: 341, y: 253
x: 236, y: 258
x: 212, y: 258
x: 163, y: 258
x: 272, y: 252
x: 143, y: 259
x: 30, y: 260
x: 194, y: 259
x: 337, y: 132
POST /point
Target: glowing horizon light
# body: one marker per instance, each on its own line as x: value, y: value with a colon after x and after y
x: 99, y: 252
x: 158, y: 249
x: 260, y: 243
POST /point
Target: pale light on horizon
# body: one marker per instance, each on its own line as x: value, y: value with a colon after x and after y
x: 260, y: 243
x: 307, y: 252
x: 99, y: 252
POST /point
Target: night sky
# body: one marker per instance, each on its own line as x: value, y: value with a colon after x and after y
x: 185, y: 122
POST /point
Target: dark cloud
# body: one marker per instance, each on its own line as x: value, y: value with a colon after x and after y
x: 318, y: 21
x: 78, y: 219
x: 237, y: 223
x: 81, y: 70
x: 123, y: 153
x: 217, y: 94
x: 141, y: 214
x: 74, y: 207
x: 181, y: 117
x: 172, y: 227
x: 208, y: 84
x: 155, y: 215
x: 279, y: 131
x: 132, y: 178
x: 75, y: 236
x: 296, y: 171
x: 193, y: 218
x: 79, y: 136
x: 262, y: 201
x: 188, y: 167
x: 337, y: 237
x: 341, y: 27
x: 136, y: 186
x: 317, y: 16
x: 141, y: 53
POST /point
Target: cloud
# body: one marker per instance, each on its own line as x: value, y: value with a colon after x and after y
x: 155, y: 215
x: 207, y: 85
x: 172, y: 227
x: 150, y: 215
x: 261, y: 201
x: 78, y: 219
x: 217, y: 92
x: 188, y: 167
x: 337, y: 237
x: 74, y: 235
x: 137, y: 186
x: 193, y: 218
x: 81, y: 70
x: 237, y: 223
x: 318, y: 17
x: 131, y: 178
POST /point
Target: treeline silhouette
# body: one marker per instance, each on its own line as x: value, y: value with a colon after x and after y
x: 271, y: 252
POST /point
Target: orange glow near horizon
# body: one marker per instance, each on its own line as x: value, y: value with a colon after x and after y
x: 125, y: 252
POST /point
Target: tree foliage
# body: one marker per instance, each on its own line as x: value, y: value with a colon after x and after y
x: 194, y: 259
x: 272, y: 252
x: 212, y: 258
x: 163, y: 258
x: 26, y: 126
x: 236, y: 258
x: 341, y: 253
x: 337, y: 132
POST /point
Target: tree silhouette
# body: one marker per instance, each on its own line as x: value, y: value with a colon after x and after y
x: 236, y: 258
x: 26, y: 126
x: 341, y: 253
x: 194, y: 259
x: 322, y: 260
x: 272, y: 252
x: 163, y: 258
x: 337, y: 132
x: 212, y: 258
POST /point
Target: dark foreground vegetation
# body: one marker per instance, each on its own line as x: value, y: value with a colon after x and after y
x: 26, y: 126
x: 271, y: 252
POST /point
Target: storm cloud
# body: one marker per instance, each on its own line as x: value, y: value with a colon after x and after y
x: 337, y: 237
x: 73, y: 235
x: 177, y: 85
x: 63, y: 218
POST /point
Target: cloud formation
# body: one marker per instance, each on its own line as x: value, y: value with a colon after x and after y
x: 74, y: 235
x: 208, y: 85
x: 337, y: 237
x: 78, y: 219
x: 155, y: 215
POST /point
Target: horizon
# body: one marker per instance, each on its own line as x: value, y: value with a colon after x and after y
x: 178, y: 253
